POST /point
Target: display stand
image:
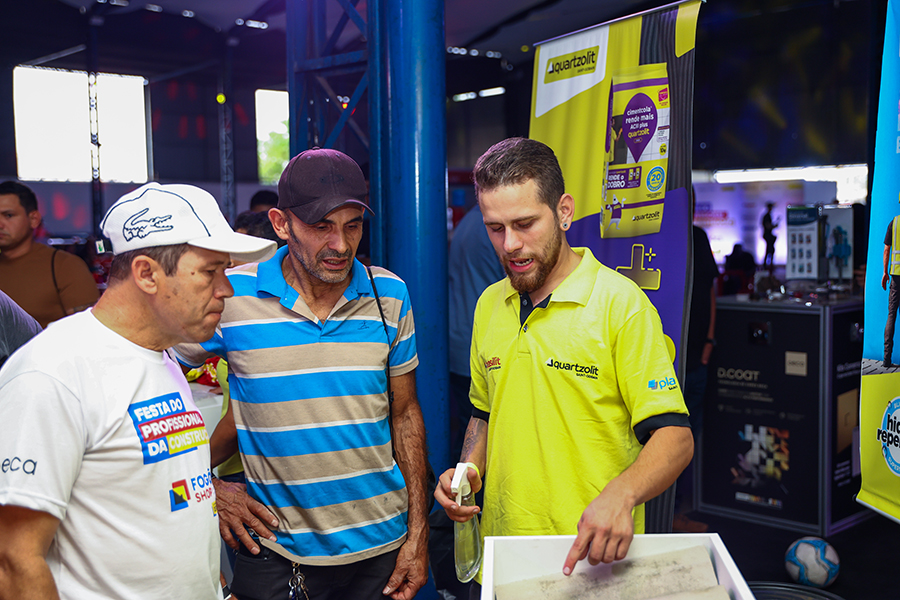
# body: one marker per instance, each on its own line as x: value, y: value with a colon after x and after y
x: 780, y: 435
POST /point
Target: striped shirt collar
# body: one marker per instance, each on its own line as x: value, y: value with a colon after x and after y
x: 270, y: 279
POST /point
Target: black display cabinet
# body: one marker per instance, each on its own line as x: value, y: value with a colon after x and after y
x: 781, y: 415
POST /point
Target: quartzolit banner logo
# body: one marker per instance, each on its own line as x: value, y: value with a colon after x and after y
x: 573, y: 64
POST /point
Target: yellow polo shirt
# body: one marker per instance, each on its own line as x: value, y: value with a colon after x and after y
x: 565, y: 393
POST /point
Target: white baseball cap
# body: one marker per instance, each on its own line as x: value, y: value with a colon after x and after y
x: 166, y: 215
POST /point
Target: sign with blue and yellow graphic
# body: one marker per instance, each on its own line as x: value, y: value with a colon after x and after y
x: 879, y: 414
x: 166, y: 427
x: 615, y: 103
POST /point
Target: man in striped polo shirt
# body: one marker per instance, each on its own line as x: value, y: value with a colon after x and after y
x: 333, y: 495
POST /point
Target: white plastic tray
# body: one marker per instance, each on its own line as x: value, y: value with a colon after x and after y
x: 514, y: 558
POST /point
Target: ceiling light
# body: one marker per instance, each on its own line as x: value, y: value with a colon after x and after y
x: 464, y: 97
x: 154, y: 7
x: 495, y: 91
x: 187, y: 13
x: 851, y: 180
x: 802, y: 173
x: 257, y: 24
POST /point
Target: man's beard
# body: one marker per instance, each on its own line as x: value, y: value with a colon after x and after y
x: 544, y: 263
x: 312, y: 264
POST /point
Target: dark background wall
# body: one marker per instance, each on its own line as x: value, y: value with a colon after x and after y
x: 184, y: 120
x: 778, y: 83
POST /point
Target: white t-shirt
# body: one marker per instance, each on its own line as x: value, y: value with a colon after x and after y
x: 104, y: 435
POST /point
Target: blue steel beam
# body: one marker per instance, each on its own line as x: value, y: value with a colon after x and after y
x: 309, y: 61
x: 379, y: 122
x: 326, y: 62
x: 351, y: 12
x: 315, y: 95
x: 297, y: 41
x: 347, y: 112
x: 415, y: 216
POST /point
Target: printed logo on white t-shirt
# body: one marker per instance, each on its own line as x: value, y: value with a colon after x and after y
x: 166, y: 427
x: 193, y: 490
x: 179, y: 495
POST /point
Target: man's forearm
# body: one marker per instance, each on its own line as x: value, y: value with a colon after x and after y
x: 474, y: 448
x: 411, y: 455
x: 25, y: 538
x: 410, y: 450
x: 660, y: 462
x: 29, y: 580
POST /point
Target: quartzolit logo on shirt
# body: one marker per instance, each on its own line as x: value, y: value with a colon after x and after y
x: 589, y: 371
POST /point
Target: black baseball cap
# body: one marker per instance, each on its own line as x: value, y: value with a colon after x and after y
x: 319, y: 180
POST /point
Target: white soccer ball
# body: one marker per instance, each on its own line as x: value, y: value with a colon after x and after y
x: 812, y: 561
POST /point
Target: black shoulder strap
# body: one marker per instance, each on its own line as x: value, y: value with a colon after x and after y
x: 387, y: 370
x: 383, y: 322
x: 378, y: 302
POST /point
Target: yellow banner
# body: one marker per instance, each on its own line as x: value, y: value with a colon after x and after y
x: 606, y: 116
x: 879, y: 444
x: 615, y: 103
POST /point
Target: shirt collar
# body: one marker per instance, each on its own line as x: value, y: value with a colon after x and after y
x: 576, y: 287
x: 269, y: 278
x: 359, y: 282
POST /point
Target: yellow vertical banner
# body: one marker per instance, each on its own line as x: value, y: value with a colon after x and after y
x: 615, y: 103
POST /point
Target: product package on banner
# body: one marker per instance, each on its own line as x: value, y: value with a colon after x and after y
x: 637, y: 144
x: 615, y: 102
x: 879, y: 422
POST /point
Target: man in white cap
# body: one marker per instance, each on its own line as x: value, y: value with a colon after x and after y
x: 317, y: 346
x: 105, y: 488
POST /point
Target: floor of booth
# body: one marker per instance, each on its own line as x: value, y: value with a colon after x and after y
x: 868, y: 552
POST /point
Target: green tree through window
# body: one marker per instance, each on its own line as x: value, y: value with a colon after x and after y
x: 273, y: 156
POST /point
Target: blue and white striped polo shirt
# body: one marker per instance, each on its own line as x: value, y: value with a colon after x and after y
x: 311, y: 409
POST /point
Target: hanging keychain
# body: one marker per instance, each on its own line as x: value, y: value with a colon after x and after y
x: 298, y: 581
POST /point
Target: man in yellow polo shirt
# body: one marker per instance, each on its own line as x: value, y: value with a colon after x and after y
x: 578, y: 418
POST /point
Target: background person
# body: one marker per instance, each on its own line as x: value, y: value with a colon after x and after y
x: 769, y: 225
x: 700, y: 346
x: 473, y: 266
x: 47, y: 283
x: 257, y: 224
x: 16, y: 327
x: 263, y: 200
